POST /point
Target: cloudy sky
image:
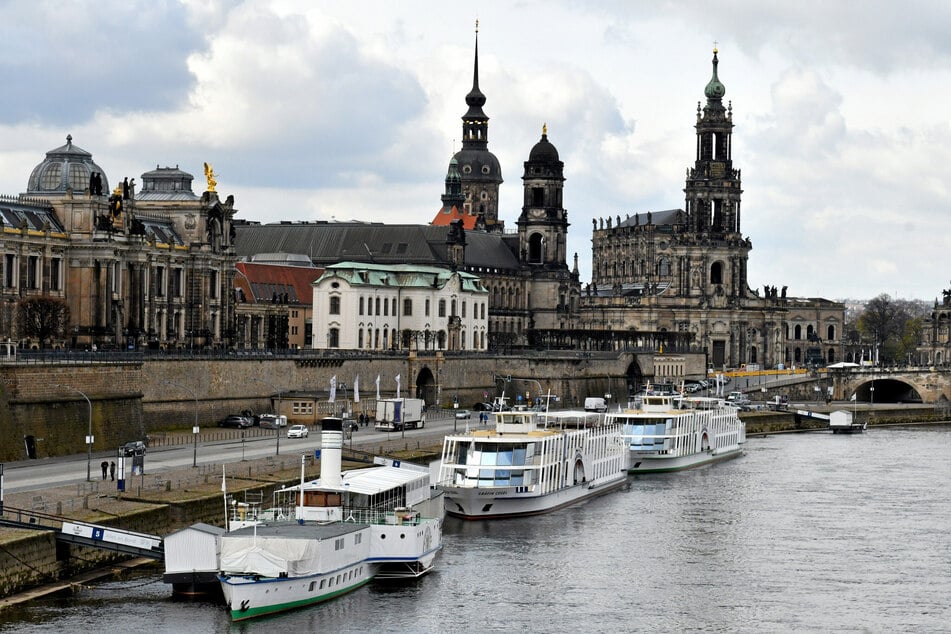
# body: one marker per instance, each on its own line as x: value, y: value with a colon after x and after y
x: 351, y: 110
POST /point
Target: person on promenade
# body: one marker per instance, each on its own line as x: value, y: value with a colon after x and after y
x: 112, y: 470
x: 105, y: 469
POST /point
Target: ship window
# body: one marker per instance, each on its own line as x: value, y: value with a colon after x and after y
x: 313, y: 585
x: 338, y: 544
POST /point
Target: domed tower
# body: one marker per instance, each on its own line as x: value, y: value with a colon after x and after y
x: 478, y: 167
x: 67, y: 168
x: 713, y: 190
x: 543, y: 223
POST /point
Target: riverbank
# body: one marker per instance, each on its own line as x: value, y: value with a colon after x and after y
x: 31, y: 563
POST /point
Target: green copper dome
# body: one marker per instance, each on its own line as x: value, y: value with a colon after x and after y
x: 714, y: 89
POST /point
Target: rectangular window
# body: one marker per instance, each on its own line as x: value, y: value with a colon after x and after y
x: 427, y: 307
x: 463, y: 309
x: 305, y: 408
x: 32, y: 275
x: 442, y: 308
x: 338, y: 543
x: 334, y: 305
x: 377, y: 305
x: 55, y: 274
x: 361, y: 306
x: 160, y: 281
x: 407, y: 307
x: 358, y: 538
x: 213, y: 284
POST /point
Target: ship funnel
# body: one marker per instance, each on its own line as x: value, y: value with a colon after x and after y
x: 331, y: 446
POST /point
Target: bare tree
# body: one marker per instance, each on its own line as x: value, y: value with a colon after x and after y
x: 43, y: 318
x: 893, y: 326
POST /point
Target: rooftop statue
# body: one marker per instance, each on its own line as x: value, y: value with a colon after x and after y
x: 210, y: 175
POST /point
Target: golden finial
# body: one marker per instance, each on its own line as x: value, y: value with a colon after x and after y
x: 477, y: 26
x: 544, y: 129
x: 714, y: 47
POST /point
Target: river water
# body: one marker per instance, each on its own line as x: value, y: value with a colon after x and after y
x: 806, y: 532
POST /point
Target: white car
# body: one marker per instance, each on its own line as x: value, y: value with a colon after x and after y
x: 297, y: 431
x: 463, y: 413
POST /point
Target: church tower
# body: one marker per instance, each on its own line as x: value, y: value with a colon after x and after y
x: 713, y: 190
x: 478, y: 167
x: 543, y: 224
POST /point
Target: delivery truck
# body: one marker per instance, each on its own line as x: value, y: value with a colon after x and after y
x: 395, y: 414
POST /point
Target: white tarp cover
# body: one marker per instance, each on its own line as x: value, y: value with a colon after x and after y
x: 270, y: 556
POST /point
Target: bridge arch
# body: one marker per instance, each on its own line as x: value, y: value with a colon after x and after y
x: 887, y: 391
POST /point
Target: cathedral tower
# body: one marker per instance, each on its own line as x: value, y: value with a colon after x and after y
x: 478, y: 167
x: 543, y: 224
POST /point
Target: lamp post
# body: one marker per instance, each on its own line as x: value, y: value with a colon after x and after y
x: 195, y: 429
x: 89, y: 438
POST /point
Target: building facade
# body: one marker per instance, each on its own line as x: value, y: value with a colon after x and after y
x: 153, y: 268
x: 361, y: 306
x: 679, y: 277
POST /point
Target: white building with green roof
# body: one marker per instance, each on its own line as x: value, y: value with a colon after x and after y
x: 365, y: 306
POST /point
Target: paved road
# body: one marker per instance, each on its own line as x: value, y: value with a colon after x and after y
x: 30, y: 475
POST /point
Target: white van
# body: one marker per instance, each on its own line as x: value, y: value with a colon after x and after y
x: 595, y: 404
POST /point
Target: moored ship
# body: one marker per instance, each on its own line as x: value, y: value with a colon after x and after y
x: 668, y: 432
x: 530, y: 463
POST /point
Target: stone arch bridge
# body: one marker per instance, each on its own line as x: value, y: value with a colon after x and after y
x: 887, y: 385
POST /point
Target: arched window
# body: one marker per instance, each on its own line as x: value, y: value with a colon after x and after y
x: 334, y: 340
x: 830, y: 333
x: 536, y: 248
x: 797, y: 333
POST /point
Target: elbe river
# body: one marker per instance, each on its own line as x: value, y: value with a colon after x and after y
x: 804, y: 533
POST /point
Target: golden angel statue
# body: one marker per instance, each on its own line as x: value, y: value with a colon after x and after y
x: 210, y: 175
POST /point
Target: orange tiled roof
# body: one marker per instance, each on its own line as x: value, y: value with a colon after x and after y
x: 261, y: 283
x: 443, y: 219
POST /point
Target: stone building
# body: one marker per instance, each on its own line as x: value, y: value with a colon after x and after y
x: 362, y: 306
x: 150, y: 268
x: 274, y: 302
x: 934, y: 346
x: 679, y: 277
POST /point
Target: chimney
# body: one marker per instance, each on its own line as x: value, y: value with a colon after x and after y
x: 331, y: 446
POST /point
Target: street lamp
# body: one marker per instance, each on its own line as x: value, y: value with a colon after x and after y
x: 89, y: 438
x: 195, y: 429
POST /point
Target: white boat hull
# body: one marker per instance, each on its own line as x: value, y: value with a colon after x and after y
x: 488, y: 503
x: 646, y: 463
x: 251, y: 596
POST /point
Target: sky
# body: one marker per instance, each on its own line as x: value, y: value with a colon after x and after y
x: 311, y: 110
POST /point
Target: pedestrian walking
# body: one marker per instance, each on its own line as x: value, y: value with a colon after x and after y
x: 112, y: 470
x: 105, y: 469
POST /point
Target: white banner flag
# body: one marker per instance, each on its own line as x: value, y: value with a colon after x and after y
x: 377, y: 387
x: 397, y: 386
x: 333, y: 388
x: 356, y: 389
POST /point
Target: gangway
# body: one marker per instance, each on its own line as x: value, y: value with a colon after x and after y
x: 69, y: 531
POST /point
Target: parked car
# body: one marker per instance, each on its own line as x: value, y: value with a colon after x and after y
x: 235, y: 420
x: 297, y: 431
x: 133, y: 448
x: 463, y: 413
x: 272, y: 421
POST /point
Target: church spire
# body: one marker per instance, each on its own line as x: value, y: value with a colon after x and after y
x: 475, y: 124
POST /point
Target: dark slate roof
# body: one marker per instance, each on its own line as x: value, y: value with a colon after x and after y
x: 327, y: 243
x: 14, y: 212
x: 665, y: 217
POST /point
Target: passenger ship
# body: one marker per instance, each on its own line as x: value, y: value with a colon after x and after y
x: 530, y: 463
x: 668, y: 432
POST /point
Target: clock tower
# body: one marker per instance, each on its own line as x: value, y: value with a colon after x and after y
x: 543, y: 224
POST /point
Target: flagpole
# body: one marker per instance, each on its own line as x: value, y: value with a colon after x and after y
x: 224, y: 493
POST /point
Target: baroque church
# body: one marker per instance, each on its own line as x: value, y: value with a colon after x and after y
x: 678, y: 278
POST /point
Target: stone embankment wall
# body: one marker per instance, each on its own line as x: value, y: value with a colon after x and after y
x: 132, y: 399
